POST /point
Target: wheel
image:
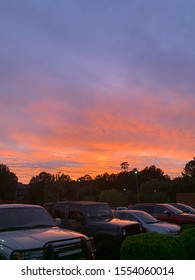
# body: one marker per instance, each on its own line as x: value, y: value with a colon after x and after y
x: 107, y: 250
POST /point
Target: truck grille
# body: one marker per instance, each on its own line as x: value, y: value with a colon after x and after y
x: 73, y: 249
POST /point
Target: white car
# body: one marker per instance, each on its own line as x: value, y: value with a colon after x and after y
x: 29, y: 232
x: 148, y: 222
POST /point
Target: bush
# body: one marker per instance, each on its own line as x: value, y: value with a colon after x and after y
x: 187, y: 241
x: 151, y: 246
x: 187, y: 226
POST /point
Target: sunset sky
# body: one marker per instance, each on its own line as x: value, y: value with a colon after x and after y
x: 88, y: 84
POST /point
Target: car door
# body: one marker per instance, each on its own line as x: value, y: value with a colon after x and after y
x: 76, y: 220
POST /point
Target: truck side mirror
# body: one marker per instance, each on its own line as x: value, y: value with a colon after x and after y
x: 58, y: 221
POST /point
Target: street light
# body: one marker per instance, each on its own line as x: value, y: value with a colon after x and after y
x: 78, y: 187
x: 137, y: 187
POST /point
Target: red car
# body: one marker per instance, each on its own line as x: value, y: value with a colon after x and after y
x: 165, y: 212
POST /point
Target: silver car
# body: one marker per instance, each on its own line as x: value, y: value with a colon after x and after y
x: 150, y: 223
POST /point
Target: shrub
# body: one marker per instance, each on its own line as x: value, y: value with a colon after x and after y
x: 186, y: 226
x: 187, y: 241
x: 151, y: 246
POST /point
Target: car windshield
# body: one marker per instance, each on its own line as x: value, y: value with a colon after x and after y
x: 98, y: 211
x: 145, y: 217
x: 185, y: 208
x: 24, y: 217
x: 173, y: 209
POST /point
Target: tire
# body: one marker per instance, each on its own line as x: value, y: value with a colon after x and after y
x: 107, y: 250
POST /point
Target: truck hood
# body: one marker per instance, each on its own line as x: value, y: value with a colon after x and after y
x: 35, y: 238
x: 113, y: 222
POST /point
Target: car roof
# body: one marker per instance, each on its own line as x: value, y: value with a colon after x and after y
x: 78, y: 202
x: 148, y: 203
x: 129, y: 211
x: 15, y: 205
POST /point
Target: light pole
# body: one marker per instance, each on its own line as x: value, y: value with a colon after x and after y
x: 137, y: 187
x: 78, y: 188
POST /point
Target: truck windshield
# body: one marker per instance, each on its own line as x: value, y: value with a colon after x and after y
x: 99, y: 211
x: 23, y: 217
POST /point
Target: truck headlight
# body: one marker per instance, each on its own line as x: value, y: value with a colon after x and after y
x: 27, y: 255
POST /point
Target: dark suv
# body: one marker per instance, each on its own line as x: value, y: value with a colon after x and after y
x: 165, y: 212
x: 28, y: 232
x: 95, y: 219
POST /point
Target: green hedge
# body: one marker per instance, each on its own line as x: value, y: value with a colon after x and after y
x: 187, y: 226
x: 152, y: 246
x: 187, y: 240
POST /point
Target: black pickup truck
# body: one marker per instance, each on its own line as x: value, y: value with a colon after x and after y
x: 94, y: 219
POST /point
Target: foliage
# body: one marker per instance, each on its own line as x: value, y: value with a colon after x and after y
x: 124, y: 166
x: 37, y: 192
x: 186, y: 226
x: 58, y: 187
x: 187, y: 240
x: 151, y: 246
x: 155, y: 191
x: 112, y: 197
x: 189, y: 169
x: 50, y: 187
x: 152, y: 183
x: 8, y: 183
x: 151, y: 173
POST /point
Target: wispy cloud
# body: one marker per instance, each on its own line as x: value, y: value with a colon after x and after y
x: 86, y: 85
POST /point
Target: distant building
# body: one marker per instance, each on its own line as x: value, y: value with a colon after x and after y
x: 186, y: 198
x: 21, y: 190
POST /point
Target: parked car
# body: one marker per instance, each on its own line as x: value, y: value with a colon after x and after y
x: 95, y: 219
x: 150, y: 223
x: 119, y: 208
x: 28, y: 232
x: 165, y: 212
x: 183, y: 207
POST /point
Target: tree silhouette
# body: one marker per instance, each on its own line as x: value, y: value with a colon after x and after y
x: 124, y: 166
x: 8, y: 183
x: 189, y: 169
x: 39, y: 186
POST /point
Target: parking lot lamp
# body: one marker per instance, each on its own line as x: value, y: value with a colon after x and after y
x: 136, y: 180
x: 78, y: 188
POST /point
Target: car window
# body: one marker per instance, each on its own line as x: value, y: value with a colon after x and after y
x: 146, y: 208
x: 172, y: 209
x: 75, y: 216
x: 98, y: 211
x: 159, y: 210
x: 146, y: 217
x: 187, y: 208
x: 59, y: 211
x: 125, y: 216
x: 131, y: 217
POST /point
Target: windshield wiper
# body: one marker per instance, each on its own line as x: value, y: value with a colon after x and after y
x: 25, y: 227
x: 155, y: 222
x: 12, y: 228
x: 41, y: 226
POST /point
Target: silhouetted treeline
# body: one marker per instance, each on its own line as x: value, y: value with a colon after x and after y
x: 123, y: 188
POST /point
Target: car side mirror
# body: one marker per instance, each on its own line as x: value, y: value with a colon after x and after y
x: 58, y: 221
x: 166, y: 212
